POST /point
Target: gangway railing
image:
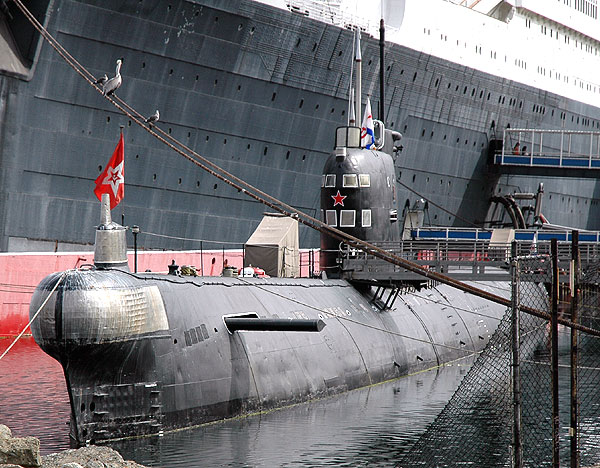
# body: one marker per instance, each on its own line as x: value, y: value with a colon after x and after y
x: 477, y: 234
x: 463, y: 260
x: 550, y: 148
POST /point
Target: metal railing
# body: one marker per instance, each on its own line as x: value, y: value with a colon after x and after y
x: 468, y: 260
x: 550, y: 148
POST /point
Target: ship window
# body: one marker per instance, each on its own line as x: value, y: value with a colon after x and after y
x: 366, y: 218
x: 347, y: 218
x: 193, y: 335
x: 331, y: 217
x: 204, y: 331
x: 323, y: 181
x: 350, y: 180
x: 199, y: 333
x: 330, y: 180
x: 364, y: 180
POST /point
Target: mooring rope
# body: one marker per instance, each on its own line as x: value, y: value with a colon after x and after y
x: 36, y: 313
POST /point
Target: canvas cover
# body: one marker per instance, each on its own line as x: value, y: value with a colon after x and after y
x: 274, y: 247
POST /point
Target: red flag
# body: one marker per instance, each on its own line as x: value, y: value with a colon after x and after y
x: 112, y: 179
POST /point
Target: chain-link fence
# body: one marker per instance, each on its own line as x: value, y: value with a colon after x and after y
x: 523, y: 403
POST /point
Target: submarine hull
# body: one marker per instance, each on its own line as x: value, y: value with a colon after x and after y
x: 148, y: 353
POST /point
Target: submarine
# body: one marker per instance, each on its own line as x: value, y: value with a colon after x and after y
x: 146, y: 353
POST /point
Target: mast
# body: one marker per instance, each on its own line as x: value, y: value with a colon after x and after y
x: 381, y: 68
x: 358, y: 87
x: 351, y: 114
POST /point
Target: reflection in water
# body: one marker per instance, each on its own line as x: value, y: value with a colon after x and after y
x: 373, y: 426
x: 33, y: 395
x: 359, y: 428
x: 363, y: 427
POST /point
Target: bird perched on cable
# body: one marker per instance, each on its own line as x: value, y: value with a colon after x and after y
x: 153, y: 118
x: 113, y: 84
x: 100, y: 81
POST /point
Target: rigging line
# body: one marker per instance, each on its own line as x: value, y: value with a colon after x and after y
x: 190, y: 239
x: 440, y: 206
x: 36, y: 314
x: 286, y: 209
x: 13, y: 285
x: 452, y: 306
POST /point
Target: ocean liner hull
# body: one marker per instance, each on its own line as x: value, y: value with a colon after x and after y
x: 259, y: 90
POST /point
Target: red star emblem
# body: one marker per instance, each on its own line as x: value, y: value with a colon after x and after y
x: 338, y: 199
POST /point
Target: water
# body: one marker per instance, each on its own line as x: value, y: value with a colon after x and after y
x: 372, y: 426
x: 33, y: 395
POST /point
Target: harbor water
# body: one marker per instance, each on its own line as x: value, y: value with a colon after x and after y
x: 372, y: 426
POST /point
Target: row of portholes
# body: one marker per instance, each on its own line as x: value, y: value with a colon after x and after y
x: 445, y: 137
x: 535, y: 109
x: 501, y: 99
x: 427, y: 179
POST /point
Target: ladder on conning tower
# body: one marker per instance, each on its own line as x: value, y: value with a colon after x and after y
x: 561, y: 149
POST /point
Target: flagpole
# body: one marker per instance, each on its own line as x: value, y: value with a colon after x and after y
x: 122, y: 212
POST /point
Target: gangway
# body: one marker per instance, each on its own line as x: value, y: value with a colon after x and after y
x: 564, y: 149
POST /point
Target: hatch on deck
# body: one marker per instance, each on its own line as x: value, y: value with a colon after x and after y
x: 274, y: 246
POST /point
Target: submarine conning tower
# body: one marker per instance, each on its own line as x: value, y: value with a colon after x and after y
x: 111, y: 246
x: 358, y: 192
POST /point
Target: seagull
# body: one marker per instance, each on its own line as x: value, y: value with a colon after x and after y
x: 100, y: 81
x: 113, y: 84
x: 153, y: 118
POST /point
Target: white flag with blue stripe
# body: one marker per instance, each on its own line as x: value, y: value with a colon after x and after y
x: 367, y: 134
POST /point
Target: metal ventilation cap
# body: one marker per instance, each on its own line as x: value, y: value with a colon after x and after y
x: 111, y: 247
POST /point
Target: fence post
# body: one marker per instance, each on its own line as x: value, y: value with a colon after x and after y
x: 574, y: 349
x: 516, y: 371
x: 554, y: 355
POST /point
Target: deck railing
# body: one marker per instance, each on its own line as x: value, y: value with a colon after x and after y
x: 462, y: 259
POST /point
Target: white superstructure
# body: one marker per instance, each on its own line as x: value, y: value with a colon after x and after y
x: 553, y: 45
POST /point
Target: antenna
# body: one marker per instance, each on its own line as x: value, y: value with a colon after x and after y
x: 381, y: 67
x: 358, y: 60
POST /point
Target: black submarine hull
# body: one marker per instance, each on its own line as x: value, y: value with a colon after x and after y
x: 148, y: 353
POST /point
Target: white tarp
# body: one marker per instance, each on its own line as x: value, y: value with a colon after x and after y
x: 274, y: 246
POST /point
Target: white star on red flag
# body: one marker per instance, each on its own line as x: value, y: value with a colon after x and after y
x: 112, y: 180
x: 114, y: 177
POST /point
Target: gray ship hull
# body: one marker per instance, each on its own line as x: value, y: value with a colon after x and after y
x: 258, y: 91
x: 143, y: 354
